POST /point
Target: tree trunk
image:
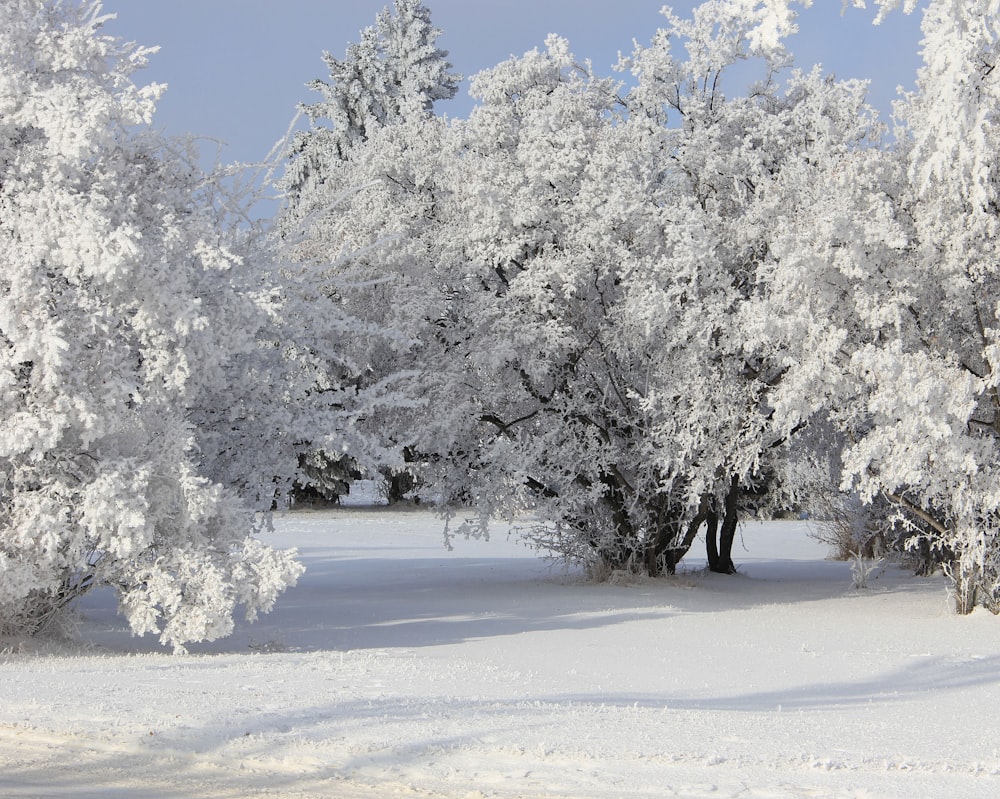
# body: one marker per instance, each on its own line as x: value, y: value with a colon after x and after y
x: 711, y: 543
x: 623, y: 555
x: 670, y: 556
x: 664, y: 555
x: 720, y: 558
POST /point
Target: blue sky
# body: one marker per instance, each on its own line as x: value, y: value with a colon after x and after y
x: 236, y: 69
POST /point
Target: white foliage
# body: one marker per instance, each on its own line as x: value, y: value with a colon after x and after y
x: 127, y: 316
x: 572, y: 266
x: 393, y: 73
x: 890, y: 256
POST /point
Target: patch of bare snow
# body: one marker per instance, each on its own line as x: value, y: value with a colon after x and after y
x: 397, y: 668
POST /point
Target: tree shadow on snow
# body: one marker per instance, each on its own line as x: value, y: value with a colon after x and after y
x: 370, y: 600
x: 924, y: 677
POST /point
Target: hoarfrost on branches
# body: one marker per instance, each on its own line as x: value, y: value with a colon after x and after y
x: 393, y: 73
x: 889, y: 256
x: 571, y: 263
x: 149, y: 357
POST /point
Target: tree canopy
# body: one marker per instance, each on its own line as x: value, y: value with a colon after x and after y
x: 644, y: 309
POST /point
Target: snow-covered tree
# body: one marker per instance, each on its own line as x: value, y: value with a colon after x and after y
x: 573, y: 266
x: 708, y: 400
x: 394, y: 72
x: 887, y: 270
x: 938, y: 461
x: 390, y: 78
x: 629, y: 405
x: 551, y: 214
x: 154, y: 373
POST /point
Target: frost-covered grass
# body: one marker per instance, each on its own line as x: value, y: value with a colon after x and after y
x: 397, y: 668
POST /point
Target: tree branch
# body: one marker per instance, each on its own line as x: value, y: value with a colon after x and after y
x: 916, y: 510
x: 502, y: 426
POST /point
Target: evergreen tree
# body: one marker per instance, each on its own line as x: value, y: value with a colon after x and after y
x: 393, y: 73
x: 391, y: 77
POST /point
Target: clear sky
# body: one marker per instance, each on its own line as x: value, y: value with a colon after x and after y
x: 236, y: 69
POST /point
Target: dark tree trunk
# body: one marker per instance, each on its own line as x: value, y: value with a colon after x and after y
x: 661, y: 552
x: 674, y: 552
x: 623, y: 553
x: 720, y: 558
x: 711, y: 540
x: 663, y: 555
x: 399, y: 484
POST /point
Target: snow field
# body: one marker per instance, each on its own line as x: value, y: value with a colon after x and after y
x: 397, y: 668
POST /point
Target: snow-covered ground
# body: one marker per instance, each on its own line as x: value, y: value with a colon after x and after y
x: 397, y: 668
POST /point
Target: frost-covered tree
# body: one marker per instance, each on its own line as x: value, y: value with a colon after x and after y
x: 390, y: 78
x: 887, y: 268
x: 552, y: 218
x: 573, y: 267
x: 720, y: 151
x: 938, y: 462
x: 394, y: 72
x: 629, y: 404
x: 153, y: 372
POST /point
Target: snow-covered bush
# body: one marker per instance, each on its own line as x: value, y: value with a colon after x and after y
x: 862, y: 569
x: 151, y: 369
